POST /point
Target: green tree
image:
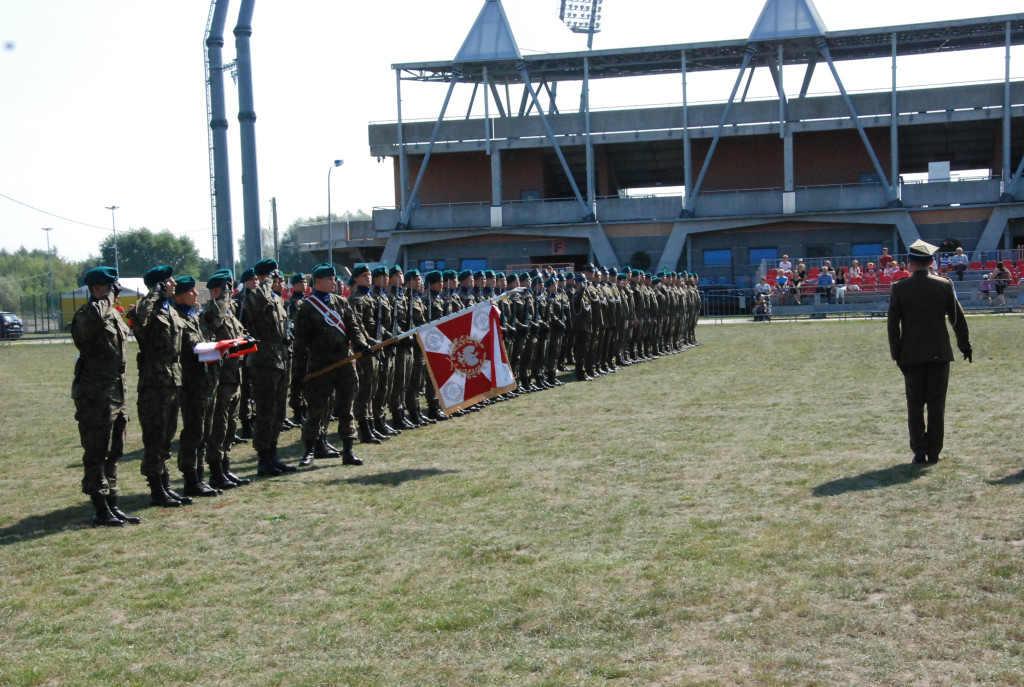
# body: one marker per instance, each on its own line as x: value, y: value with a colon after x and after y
x: 140, y: 249
x: 26, y: 278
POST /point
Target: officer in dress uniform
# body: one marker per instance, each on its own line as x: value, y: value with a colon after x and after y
x: 99, y: 390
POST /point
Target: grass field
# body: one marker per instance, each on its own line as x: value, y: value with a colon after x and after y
x: 741, y: 513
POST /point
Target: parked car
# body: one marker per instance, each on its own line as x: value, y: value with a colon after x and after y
x: 11, y: 327
x: 726, y: 299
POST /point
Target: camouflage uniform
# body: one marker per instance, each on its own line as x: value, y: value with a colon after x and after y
x: 219, y: 318
x: 266, y: 320
x: 99, y: 391
x: 198, y: 392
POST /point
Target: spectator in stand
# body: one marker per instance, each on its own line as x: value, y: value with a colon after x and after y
x: 871, y: 271
x: 959, y: 262
x: 785, y: 265
x: 795, y: 282
x: 884, y: 259
x: 985, y: 288
x: 901, y: 272
x: 1000, y: 280
x: 825, y: 283
x: 889, y: 268
x: 855, y: 270
x: 944, y: 272
x: 840, y: 285
x: 763, y: 287
x: 801, y: 269
x: 782, y: 285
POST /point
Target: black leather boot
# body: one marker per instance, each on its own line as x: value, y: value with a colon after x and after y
x: 194, y: 486
x: 435, y: 412
x: 366, y: 436
x: 115, y: 511
x: 347, y: 456
x: 280, y: 464
x: 265, y: 467
x: 323, y: 449
x: 383, y: 427
x: 402, y: 422
x: 157, y: 495
x: 373, y: 430
x: 225, y: 464
x: 218, y: 480
x: 103, y: 517
x: 184, y: 500
x: 308, y: 456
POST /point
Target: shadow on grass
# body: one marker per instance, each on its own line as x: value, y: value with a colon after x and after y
x: 875, y: 479
x: 66, y: 520
x: 393, y: 479
x: 1009, y: 480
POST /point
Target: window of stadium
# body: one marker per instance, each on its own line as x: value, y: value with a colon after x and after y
x: 718, y: 257
x: 474, y: 264
x: 759, y: 254
x: 866, y: 250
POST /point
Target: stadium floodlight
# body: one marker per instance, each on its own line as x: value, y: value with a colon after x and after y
x: 582, y: 16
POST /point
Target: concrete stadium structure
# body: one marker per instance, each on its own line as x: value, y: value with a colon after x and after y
x: 807, y: 175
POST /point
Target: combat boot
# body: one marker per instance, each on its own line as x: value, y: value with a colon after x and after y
x: 157, y: 495
x: 382, y: 427
x: 115, y: 511
x: 265, y: 467
x: 194, y: 486
x: 308, y: 455
x: 324, y: 449
x: 226, y: 466
x: 218, y: 480
x: 434, y: 412
x: 347, y: 456
x: 103, y: 517
x: 383, y: 436
x: 401, y: 421
x: 366, y: 436
x: 280, y: 464
x: 166, y: 481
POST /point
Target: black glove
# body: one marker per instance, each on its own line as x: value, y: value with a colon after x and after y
x: 116, y: 286
x: 160, y: 288
x: 968, y: 353
x: 361, y: 347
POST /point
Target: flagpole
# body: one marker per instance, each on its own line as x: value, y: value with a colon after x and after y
x: 404, y: 335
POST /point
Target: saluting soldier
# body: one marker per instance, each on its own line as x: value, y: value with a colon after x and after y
x: 248, y: 283
x: 157, y: 328
x: 267, y: 321
x: 198, y: 391
x: 326, y: 332
x: 220, y: 320
x: 99, y: 390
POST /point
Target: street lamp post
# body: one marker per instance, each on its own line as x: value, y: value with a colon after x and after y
x: 330, y: 226
x: 113, y: 224
x: 49, y: 264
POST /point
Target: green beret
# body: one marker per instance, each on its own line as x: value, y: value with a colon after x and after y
x: 589, y: 267
x: 157, y: 274
x: 360, y: 269
x: 449, y: 274
x: 216, y: 280
x: 265, y: 266
x: 499, y: 275
x: 550, y: 282
x: 247, y: 275
x: 465, y: 274
x: 324, y: 269
x: 525, y: 276
x: 395, y: 269
x: 512, y: 276
x: 184, y: 284
x: 656, y: 280
x: 536, y: 280
x: 623, y: 275
x: 433, y: 277
x: 488, y: 274
x: 380, y: 271
x: 636, y: 273
x: 297, y: 277
x: 478, y: 274
x: 570, y: 275
x: 411, y: 274
x: 560, y: 277
x: 100, y: 275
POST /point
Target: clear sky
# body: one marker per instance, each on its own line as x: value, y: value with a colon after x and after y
x: 103, y: 102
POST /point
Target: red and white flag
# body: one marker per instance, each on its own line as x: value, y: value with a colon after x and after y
x: 466, y: 358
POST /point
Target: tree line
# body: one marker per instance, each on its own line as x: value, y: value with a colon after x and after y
x: 24, y: 274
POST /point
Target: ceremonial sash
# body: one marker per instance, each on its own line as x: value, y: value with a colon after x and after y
x: 330, y: 315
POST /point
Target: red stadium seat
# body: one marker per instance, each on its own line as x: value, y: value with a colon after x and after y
x: 772, y: 273
x: 813, y: 273
x: 856, y: 280
x: 990, y: 265
x: 975, y: 265
x: 870, y: 283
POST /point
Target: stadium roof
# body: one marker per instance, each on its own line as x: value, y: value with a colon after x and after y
x: 855, y: 44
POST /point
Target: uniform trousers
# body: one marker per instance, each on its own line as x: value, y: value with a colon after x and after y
x: 158, y: 418
x: 926, y: 386
x: 340, y: 382
x: 196, y: 423
x: 101, y: 425
x: 269, y: 393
